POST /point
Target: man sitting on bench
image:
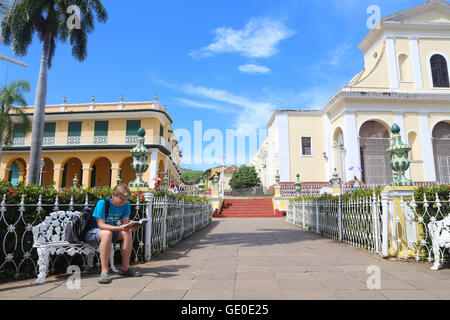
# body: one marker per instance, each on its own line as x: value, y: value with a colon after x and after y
x: 105, y: 232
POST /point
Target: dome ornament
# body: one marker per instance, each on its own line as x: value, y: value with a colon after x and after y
x: 140, y: 161
x: 399, y: 153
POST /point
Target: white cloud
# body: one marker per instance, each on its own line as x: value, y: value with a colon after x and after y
x: 339, y: 54
x: 250, y: 114
x: 258, y: 39
x: 201, y: 105
x: 253, y: 69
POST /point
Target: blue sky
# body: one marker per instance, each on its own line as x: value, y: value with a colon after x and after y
x: 229, y: 64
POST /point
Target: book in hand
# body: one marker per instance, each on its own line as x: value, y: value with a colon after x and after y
x: 139, y: 223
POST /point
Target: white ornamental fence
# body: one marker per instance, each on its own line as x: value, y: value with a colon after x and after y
x: 407, y: 229
x: 169, y: 222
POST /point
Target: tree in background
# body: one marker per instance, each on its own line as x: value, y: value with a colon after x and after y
x: 50, y: 19
x: 245, y: 177
x: 191, y: 176
x: 11, y: 104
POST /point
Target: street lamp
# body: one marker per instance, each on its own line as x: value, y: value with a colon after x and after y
x: 223, y: 177
x: 40, y: 174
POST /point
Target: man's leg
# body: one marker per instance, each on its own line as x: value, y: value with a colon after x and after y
x: 127, y: 244
x: 105, y: 249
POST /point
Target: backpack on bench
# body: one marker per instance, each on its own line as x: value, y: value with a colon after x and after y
x: 77, y: 228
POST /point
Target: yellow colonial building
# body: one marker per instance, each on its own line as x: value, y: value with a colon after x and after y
x: 405, y: 80
x: 93, y: 141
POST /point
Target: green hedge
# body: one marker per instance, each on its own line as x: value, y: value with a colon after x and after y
x: 358, y: 193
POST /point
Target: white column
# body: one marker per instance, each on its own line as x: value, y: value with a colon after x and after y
x: 283, y: 147
x: 352, y: 154
x: 399, y: 120
x: 417, y: 67
x: 328, y: 141
x: 153, y: 167
x: 392, y: 59
x: 427, y: 148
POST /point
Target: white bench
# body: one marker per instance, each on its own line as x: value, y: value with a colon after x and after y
x: 49, y: 239
x: 440, y: 237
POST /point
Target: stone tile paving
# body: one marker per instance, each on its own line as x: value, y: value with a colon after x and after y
x: 245, y: 259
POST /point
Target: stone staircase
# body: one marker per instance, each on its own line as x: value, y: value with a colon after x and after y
x: 247, y: 208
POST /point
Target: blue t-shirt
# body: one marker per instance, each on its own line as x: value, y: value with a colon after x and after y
x: 115, y: 213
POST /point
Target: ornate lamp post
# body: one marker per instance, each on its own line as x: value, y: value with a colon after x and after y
x: 41, y: 172
x: 277, y: 178
x: 216, y: 180
x: 140, y: 157
x: 399, y: 158
x: 335, y: 179
x: 201, y: 186
x: 165, y: 181
x: 75, y: 181
x: 298, y: 186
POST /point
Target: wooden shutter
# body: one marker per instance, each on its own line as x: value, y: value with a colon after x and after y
x: 132, y: 127
x: 49, y: 129
x: 101, y: 128
x: 75, y: 129
x: 19, y: 130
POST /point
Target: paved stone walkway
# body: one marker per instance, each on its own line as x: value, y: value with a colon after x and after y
x: 246, y: 259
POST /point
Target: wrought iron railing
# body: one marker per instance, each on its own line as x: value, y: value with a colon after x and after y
x: 170, y: 221
x: 381, y: 225
x: 94, y: 140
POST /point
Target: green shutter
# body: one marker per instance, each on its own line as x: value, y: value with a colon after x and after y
x: 133, y: 127
x: 19, y: 130
x: 75, y: 129
x: 101, y: 129
x: 49, y: 129
x: 161, y: 130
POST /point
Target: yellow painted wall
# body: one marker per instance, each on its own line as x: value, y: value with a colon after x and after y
x: 376, y: 73
x: 430, y: 16
x: 87, y: 160
x: 311, y: 168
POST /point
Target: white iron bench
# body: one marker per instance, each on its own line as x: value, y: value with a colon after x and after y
x: 440, y: 237
x: 49, y: 239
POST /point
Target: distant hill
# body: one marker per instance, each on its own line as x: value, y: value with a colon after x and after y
x: 191, y: 176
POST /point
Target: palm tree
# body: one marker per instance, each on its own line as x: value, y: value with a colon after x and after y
x: 11, y: 95
x: 50, y: 20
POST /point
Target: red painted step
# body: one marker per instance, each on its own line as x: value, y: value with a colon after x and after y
x: 246, y: 208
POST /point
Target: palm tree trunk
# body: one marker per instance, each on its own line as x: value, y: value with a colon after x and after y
x: 37, y: 132
x: 1, y: 149
x: 1, y: 138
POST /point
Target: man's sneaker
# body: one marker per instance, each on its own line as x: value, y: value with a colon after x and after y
x: 104, y: 278
x: 130, y: 273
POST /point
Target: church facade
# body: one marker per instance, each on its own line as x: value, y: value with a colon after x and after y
x: 405, y: 80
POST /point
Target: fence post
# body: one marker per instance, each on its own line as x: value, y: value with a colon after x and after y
x: 317, y: 217
x: 385, y: 224
x: 148, y: 226
x: 376, y: 226
x: 182, y: 218
x: 165, y: 205
x: 340, y: 218
x: 194, y: 220
x: 303, y: 213
x: 295, y: 212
